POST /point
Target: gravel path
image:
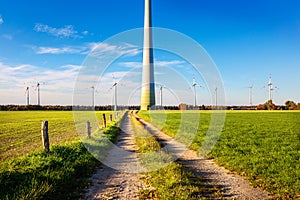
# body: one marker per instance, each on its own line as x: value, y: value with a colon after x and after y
x: 120, y: 181
x: 232, y: 186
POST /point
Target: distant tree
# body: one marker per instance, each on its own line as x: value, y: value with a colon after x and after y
x: 260, y: 107
x: 290, y: 105
x: 269, y: 105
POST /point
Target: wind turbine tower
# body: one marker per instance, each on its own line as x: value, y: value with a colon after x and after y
x: 148, y: 86
x: 161, y: 96
x: 195, y: 94
x: 250, y: 95
x: 271, y: 88
x: 93, y: 96
x: 38, y: 93
x: 195, y: 91
x: 27, y: 95
x: 114, y: 87
x: 115, y: 95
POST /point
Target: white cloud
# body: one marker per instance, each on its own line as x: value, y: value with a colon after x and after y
x: 168, y: 63
x: 7, y: 36
x: 1, y: 20
x: 60, y: 82
x: 157, y: 63
x: 54, y: 50
x: 64, y: 32
x: 105, y: 49
x: 94, y: 49
x: 56, y: 82
x: 85, y: 32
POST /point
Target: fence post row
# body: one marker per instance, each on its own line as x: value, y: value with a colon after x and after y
x: 45, y: 136
x: 88, y: 124
x: 104, y: 120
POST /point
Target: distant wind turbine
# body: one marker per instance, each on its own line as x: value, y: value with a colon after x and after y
x: 93, y: 96
x: 271, y: 88
x: 38, y: 93
x: 195, y: 93
x: 250, y: 95
x: 114, y: 86
x: 38, y: 84
x: 161, y: 96
x: 27, y: 95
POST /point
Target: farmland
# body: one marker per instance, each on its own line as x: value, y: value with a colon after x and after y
x: 20, y: 132
x: 263, y: 146
x: 58, y: 174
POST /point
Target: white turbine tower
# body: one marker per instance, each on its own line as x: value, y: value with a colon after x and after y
x: 38, y: 93
x: 114, y: 87
x: 161, y: 96
x: 195, y: 91
x: 115, y: 95
x: 27, y: 95
x: 148, y: 84
x: 93, y: 96
x: 38, y: 84
x: 250, y: 95
x: 271, y: 88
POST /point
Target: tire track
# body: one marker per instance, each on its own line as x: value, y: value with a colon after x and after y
x: 230, y: 185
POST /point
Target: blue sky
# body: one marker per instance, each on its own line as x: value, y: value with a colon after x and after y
x: 48, y: 41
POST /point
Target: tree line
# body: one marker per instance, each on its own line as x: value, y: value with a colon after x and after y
x: 269, y: 105
x: 291, y: 105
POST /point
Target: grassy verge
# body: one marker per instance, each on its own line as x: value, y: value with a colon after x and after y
x: 171, y: 181
x: 59, y: 174
x: 263, y: 146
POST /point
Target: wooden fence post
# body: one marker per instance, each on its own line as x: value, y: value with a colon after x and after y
x: 110, y: 117
x: 104, y: 120
x: 88, y: 124
x: 45, y: 136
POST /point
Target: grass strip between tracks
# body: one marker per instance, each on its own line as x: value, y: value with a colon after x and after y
x: 171, y: 181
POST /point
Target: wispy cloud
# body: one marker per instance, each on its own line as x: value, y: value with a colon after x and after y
x: 94, y: 49
x: 1, y: 20
x: 168, y: 63
x: 7, y: 36
x: 15, y: 77
x: 157, y: 63
x: 56, y: 84
x: 67, y: 31
x: 85, y: 32
x: 104, y: 49
x: 60, y: 83
x: 54, y: 50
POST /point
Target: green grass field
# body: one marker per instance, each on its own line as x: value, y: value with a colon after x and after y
x: 263, y: 146
x: 20, y: 131
x: 58, y: 174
